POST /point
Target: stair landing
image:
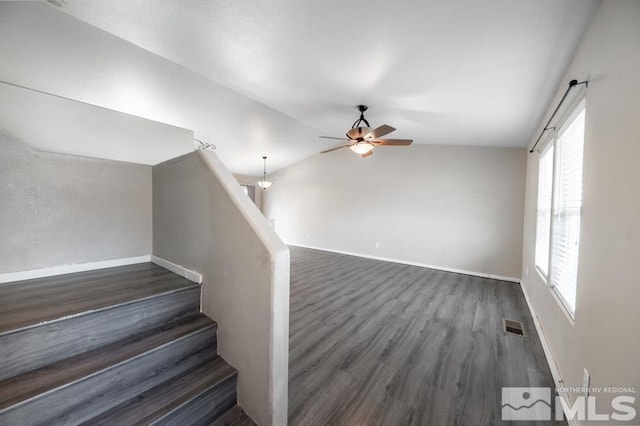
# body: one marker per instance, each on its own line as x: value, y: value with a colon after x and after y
x: 37, y: 301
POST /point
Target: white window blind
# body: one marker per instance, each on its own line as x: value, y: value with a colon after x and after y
x: 543, y: 223
x: 565, y: 228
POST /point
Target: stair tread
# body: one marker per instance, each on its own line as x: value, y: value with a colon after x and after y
x: 165, y: 397
x: 28, y: 385
x: 31, y: 302
x: 234, y: 417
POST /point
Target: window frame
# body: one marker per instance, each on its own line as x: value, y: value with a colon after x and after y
x: 575, y: 109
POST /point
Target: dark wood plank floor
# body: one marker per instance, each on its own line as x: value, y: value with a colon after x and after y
x: 234, y: 417
x: 375, y: 342
x: 61, y: 373
x: 25, y: 303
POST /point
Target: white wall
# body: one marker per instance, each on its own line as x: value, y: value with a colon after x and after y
x: 203, y: 221
x: 43, y: 48
x: 446, y: 206
x: 53, y: 124
x: 58, y: 209
x: 603, y: 337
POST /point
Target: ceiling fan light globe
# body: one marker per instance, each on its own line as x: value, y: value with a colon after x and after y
x: 361, y: 147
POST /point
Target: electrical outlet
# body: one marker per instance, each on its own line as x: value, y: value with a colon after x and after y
x: 586, y: 379
x: 377, y: 245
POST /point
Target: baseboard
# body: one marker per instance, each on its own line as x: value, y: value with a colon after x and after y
x: 553, y: 367
x: 69, y: 269
x: 422, y: 265
x: 189, y: 274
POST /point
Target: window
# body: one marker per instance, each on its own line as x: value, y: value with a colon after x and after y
x: 543, y: 226
x: 565, y: 241
x: 560, y: 187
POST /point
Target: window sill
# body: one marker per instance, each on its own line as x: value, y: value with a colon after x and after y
x: 541, y: 275
x: 556, y: 296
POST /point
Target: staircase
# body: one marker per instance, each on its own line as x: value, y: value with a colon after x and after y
x: 117, y: 346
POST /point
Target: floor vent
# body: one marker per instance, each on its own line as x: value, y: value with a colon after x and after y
x: 514, y: 327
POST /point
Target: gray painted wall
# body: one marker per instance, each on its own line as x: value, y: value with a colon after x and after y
x: 202, y: 220
x: 602, y: 337
x: 446, y: 206
x: 59, y: 209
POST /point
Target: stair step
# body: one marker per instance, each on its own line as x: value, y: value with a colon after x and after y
x: 196, y: 397
x: 75, y: 389
x: 31, y: 302
x: 234, y: 417
x: 45, y: 320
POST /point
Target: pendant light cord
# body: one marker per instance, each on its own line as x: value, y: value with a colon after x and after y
x: 264, y: 173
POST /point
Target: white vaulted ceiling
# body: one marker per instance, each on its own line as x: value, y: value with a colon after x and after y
x: 443, y: 72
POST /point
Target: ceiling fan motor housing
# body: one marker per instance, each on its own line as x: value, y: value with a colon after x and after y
x: 358, y: 133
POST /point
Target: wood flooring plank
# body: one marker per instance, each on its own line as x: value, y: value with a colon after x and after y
x: 234, y: 417
x: 375, y: 342
x: 30, y: 348
x: 78, y: 401
x: 29, y: 385
x: 167, y: 400
x: 30, y: 302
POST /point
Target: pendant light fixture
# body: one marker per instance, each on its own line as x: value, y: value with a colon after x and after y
x: 264, y: 183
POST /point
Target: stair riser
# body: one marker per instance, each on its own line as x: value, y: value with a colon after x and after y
x: 31, y: 348
x: 82, y: 400
x: 205, y: 408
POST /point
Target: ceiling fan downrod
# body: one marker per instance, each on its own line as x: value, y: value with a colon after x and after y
x: 362, y: 109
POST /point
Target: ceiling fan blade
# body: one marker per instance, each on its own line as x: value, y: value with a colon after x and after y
x: 331, y: 137
x: 380, y: 131
x: 333, y: 149
x: 366, y: 154
x: 396, y: 142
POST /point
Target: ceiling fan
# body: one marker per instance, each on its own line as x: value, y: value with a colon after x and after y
x: 362, y: 139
